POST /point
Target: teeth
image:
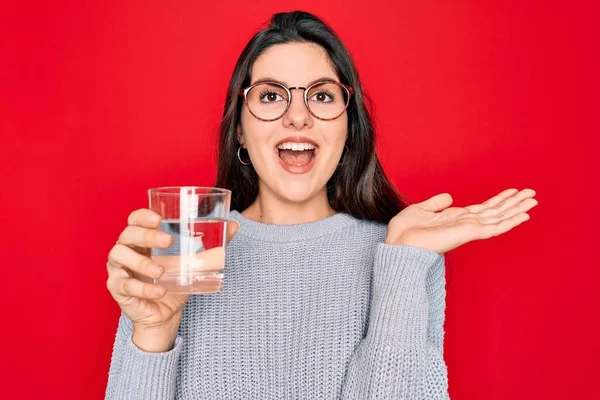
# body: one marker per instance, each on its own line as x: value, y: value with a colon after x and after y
x: 296, y: 146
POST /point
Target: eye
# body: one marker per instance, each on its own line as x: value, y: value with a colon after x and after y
x: 270, y: 96
x: 323, y: 96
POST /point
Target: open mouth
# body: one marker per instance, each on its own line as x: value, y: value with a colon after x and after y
x: 297, y: 154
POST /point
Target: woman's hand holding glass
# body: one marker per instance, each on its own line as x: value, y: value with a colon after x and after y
x: 155, y: 314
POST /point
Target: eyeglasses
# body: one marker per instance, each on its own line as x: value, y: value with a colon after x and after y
x: 269, y: 101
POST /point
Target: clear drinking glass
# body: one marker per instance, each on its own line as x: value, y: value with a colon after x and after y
x: 196, y: 217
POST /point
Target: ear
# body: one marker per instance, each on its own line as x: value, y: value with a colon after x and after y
x: 240, y: 135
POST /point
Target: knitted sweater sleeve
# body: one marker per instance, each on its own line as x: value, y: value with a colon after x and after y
x: 401, y: 356
x: 136, y: 374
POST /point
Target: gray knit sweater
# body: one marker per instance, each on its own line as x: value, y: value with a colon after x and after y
x: 318, y: 310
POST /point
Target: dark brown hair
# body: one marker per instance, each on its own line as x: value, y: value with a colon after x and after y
x: 359, y: 185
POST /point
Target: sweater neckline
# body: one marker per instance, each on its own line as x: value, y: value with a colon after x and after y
x: 290, y: 232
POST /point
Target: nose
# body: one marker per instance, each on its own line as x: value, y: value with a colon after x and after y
x: 297, y: 114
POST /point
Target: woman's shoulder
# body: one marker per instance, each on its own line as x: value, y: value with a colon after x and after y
x: 375, y: 229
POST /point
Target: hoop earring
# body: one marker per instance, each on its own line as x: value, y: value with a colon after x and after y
x: 343, y: 156
x: 240, y: 158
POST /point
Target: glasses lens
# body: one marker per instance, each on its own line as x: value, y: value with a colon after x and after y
x: 267, y: 100
x: 327, y: 100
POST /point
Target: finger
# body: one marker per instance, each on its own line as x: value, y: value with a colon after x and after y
x: 207, y: 260
x: 144, y: 218
x: 522, y: 207
x: 143, y: 237
x: 437, y: 202
x: 488, y: 231
x: 232, y: 228
x: 493, y: 202
x: 116, y: 271
x: 134, y: 288
x: 508, y: 203
x: 123, y: 256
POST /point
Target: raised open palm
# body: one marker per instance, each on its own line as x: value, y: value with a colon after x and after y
x: 436, y: 226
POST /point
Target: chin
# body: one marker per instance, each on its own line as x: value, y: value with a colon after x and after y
x: 296, y: 192
x: 298, y: 195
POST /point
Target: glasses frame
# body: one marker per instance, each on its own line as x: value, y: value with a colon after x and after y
x: 349, y: 90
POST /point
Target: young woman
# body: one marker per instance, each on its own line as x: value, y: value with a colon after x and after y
x: 334, y: 285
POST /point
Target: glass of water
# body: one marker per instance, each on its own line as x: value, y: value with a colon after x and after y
x: 196, y: 217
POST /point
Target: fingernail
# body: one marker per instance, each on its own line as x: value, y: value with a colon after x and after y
x: 159, y: 291
x: 156, y: 270
x: 165, y: 239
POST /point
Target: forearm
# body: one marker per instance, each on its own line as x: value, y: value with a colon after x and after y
x: 401, y: 355
x: 399, y: 313
x: 138, y: 374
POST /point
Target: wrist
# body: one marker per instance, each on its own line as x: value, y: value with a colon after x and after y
x: 155, y: 339
x: 407, y: 241
x: 395, y: 240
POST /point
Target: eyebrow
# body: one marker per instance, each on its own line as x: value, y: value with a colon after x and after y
x: 267, y: 79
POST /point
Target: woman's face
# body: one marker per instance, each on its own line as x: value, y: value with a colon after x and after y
x: 294, y: 176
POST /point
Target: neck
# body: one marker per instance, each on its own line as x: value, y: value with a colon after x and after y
x: 273, y: 210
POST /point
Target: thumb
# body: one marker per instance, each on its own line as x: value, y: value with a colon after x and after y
x: 437, y: 203
x: 232, y: 228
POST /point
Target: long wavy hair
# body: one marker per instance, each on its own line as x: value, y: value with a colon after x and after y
x: 359, y: 185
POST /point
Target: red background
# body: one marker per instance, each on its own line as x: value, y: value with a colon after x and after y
x: 100, y: 102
